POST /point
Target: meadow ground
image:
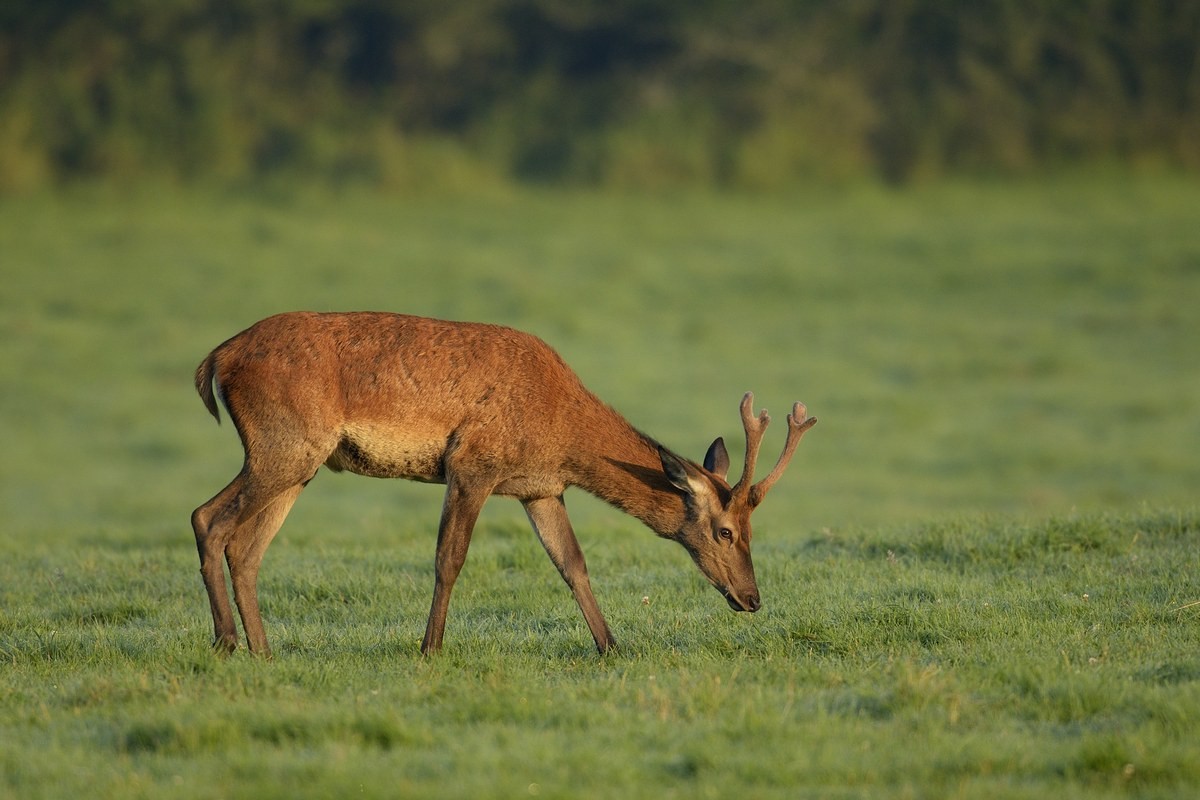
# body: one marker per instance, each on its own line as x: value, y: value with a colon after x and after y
x: 977, y: 573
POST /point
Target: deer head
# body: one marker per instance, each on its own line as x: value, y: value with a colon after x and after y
x: 716, y: 531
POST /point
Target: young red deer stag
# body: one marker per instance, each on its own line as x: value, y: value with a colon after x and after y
x: 480, y: 408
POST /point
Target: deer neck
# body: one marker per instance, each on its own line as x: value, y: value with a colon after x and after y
x: 621, y: 466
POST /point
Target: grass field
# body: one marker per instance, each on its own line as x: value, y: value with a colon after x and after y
x: 977, y: 574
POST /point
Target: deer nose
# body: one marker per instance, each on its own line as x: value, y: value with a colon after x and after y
x: 744, y: 602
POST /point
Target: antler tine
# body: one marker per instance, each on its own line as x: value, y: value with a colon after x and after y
x: 798, y: 422
x: 755, y: 428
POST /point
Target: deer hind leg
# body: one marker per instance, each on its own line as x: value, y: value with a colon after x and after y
x: 459, y: 513
x: 244, y: 552
x: 549, y: 518
x: 236, y: 526
x: 214, y: 524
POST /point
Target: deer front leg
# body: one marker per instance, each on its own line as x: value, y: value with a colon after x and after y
x: 549, y: 518
x: 459, y: 513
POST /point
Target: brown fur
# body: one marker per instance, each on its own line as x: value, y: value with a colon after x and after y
x: 480, y: 408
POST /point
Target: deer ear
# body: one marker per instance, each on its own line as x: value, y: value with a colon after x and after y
x: 676, y: 471
x: 716, y: 460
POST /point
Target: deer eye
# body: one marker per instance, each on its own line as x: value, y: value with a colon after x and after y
x: 726, y: 534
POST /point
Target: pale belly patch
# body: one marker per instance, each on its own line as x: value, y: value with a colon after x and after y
x: 379, y: 456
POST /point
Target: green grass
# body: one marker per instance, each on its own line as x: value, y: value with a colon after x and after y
x: 985, y: 659
x: 976, y: 574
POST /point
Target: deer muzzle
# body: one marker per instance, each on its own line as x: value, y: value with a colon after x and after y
x: 745, y: 601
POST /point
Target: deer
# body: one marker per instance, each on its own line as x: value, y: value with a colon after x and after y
x: 480, y: 408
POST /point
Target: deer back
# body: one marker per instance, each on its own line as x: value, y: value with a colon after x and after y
x: 391, y: 395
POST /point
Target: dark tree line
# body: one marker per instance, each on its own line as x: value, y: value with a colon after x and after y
x: 624, y: 92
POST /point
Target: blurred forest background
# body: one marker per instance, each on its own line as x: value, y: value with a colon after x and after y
x: 689, y: 200
x: 607, y: 93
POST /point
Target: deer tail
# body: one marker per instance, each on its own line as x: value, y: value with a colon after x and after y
x: 204, y: 384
